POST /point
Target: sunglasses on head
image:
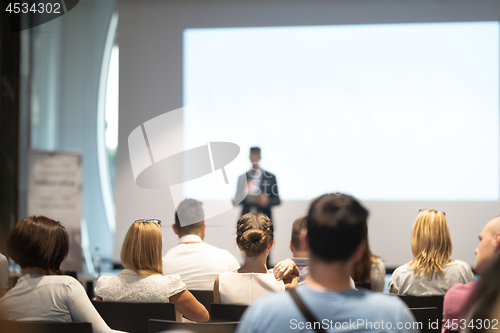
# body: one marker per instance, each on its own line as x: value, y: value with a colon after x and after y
x: 422, y: 209
x: 155, y: 221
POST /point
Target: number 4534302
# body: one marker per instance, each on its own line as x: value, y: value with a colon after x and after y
x: 39, y: 8
x: 461, y: 324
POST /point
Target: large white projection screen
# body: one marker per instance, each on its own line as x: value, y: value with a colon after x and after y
x: 395, y: 102
x: 393, y: 112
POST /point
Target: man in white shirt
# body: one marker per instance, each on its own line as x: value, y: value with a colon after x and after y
x: 197, y: 262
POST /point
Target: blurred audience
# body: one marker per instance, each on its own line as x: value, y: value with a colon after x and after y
x: 485, y: 302
x: 142, y: 280
x: 370, y: 270
x: 255, y: 238
x: 456, y: 301
x: 39, y: 245
x: 4, y: 274
x: 335, y: 238
x: 197, y: 262
x: 300, y: 255
x: 431, y: 271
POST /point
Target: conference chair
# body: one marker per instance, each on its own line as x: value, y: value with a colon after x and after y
x: 133, y: 317
x: 156, y: 325
x: 205, y: 297
x: 425, y: 302
x: 428, y: 318
x: 226, y: 312
x: 43, y: 327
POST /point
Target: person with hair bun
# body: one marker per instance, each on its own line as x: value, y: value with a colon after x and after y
x: 255, y: 238
x: 39, y: 245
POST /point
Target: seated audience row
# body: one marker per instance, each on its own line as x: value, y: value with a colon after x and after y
x: 328, y: 245
x: 336, y: 240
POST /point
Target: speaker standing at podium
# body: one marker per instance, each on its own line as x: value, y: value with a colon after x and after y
x: 261, y: 185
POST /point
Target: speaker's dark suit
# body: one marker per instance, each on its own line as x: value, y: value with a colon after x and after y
x: 268, y: 185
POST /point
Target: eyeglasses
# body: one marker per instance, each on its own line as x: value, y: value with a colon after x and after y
x: 155, y: 221
x: 422, y: 209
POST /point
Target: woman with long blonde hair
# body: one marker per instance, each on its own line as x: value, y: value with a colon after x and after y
x: 142, y: 280
x: 431, y: 271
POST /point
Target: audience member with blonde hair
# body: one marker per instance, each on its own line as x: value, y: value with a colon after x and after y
x: 142, y: 281
x: 431, y: 271
x: 255, y: 238
x: 39, y: 245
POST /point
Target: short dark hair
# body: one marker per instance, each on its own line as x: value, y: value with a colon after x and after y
x: 255, y: 150
x: 192, y: 213
x: 298, y: 225
x: 254, y: 233
x: 336, y: 225
x: 38, y: 241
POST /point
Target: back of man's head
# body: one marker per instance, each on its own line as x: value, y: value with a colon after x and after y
x: 336, y: 225
x: 193, y: 217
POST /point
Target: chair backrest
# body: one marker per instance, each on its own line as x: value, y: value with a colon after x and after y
x: 205, y: 297
x: 226, y: 312
x: 428, y: 319
x: 43, y: 327
x: 425, y: 302
x: 156, y: 325
x: 133, y: 317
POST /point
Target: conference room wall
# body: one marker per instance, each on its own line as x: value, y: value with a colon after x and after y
x: 65, y: 63
x: 150, y: 39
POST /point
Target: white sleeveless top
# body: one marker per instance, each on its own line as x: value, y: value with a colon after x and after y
x: 128, y: 286
x: 244, y: 288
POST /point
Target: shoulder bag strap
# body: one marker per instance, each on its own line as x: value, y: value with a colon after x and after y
x: 305, y: 311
